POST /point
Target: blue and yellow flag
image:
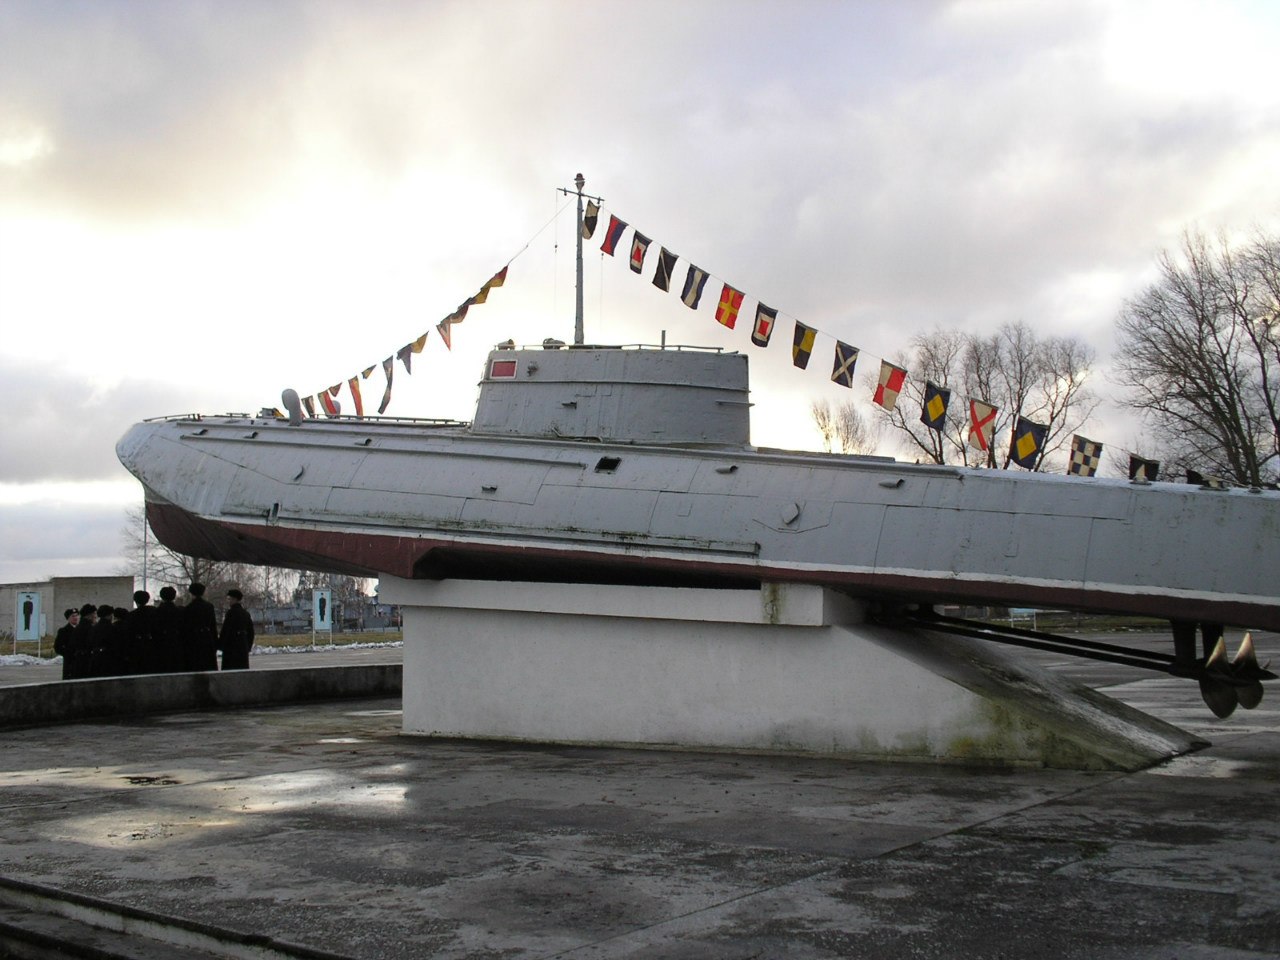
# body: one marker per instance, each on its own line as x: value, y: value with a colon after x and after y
x: 933, y: 414
x: 1028, y: 443
x: 802, y: 345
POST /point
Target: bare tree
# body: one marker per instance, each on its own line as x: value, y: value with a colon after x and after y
x: 1064, y: 401
x: 937, y: 357
x: 349, y: 593
x: 843, y: 427
x: 143, y: 550
x: 824, y: 420
x: 261, y: 586
x: 1200, y: 352
x: 1044, y: 380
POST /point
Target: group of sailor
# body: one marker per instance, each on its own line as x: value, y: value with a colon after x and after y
x: 106, y: 641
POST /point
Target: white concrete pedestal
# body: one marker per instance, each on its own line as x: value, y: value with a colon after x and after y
x: 787, y: 668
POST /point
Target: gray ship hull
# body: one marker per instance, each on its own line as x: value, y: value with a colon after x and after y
x: 425, y: 500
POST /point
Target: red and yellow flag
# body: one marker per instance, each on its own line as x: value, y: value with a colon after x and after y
x: 497, y: 280
x: 354, y: 384
x: 730, y: 304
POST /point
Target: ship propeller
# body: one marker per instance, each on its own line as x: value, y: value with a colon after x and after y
x: 1225, y: 684
x: 1245, y: 666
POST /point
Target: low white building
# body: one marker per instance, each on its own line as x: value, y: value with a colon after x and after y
x: 59, y: 593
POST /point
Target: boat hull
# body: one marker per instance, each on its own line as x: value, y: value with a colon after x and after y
x: 422, y: 501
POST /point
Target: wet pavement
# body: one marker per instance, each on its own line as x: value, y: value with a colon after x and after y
x: 321, y: 825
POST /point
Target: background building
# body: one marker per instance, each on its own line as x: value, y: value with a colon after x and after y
x: 59, y: 593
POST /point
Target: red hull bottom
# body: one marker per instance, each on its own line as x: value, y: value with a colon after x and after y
x: 434, y: 558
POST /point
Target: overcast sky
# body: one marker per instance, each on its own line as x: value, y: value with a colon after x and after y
x: 204, y: 203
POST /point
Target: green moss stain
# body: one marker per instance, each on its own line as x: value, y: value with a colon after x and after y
x: 771, y: 597
x: 1010, y: 736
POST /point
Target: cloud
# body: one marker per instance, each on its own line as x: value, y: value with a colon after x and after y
x: 162, y: 112
x: 203, y: 202
x: 924, y: 152
x: 60, y: 539
x: 61, y: 425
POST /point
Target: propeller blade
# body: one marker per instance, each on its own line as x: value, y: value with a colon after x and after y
x: 1244, y: 665
x: 1219, y: 696
x: 1217, y: 660
x: 1246, y: 658
x: 1251, y: 695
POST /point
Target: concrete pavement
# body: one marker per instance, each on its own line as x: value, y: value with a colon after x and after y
x: 322, y: 826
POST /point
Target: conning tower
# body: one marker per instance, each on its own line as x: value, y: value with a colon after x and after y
x: 650, y: 395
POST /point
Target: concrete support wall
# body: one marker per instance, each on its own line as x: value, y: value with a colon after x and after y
x: 38, y: 704
x: 786, y: 668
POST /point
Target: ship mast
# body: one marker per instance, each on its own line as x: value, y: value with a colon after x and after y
x: 579, y: 182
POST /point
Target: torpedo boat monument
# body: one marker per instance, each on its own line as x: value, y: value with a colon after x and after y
x: 602, y: 557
